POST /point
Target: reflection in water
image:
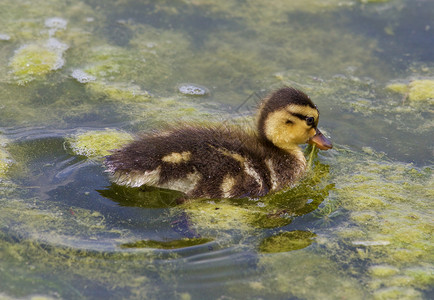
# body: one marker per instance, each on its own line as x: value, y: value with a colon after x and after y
x: 167, y: 245
x: 145, y: 196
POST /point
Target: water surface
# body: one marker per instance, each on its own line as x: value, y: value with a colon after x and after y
x: 81, y: 77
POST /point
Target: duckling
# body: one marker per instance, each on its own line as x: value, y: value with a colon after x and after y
x: 226, y: 162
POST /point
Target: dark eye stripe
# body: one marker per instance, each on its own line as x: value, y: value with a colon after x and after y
x: 304, y: 118
x: 300, y: 116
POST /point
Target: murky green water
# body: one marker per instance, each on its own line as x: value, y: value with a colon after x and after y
x: 80, y: 77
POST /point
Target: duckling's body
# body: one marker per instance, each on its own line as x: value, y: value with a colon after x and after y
x: 223, y: 161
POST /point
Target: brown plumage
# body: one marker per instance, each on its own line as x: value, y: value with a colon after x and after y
x: 223, y: 161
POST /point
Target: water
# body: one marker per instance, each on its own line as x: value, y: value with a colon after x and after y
x: 358, y: 227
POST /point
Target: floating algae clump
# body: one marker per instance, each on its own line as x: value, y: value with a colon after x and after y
x: 383, y: 270
x: 222, y: 215
x: 95, y: 144
x: 120, y: 92
x: 397, y: 293
x: 421, y: 90
x: 5, y: 162
x: 401, y: 88
x: 37, y: 59
x: 287, y: 241
x: 417, y: 90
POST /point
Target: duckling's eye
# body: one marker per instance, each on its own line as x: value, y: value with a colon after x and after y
x: 289, y: 122
x: 310, y: 121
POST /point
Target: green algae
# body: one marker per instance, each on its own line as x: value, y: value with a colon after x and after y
x: 370, y: 215
x: 153, y: 53
x: 420, y: 276
x: 306, y: 275
x: 386, y: 238
x: 400, y: 88
x: 5, y: 158
x: 416, y: 90
x: 148, y: 62
x: 397, y: 293
x: 421, y: 90
x: 389, y: 224
x: 52, y: 263
x: 287, y: 241
x: 156, y: 58
x: 40, y: 34
x: 119, y: 92
x: 383, y: 271
x: 96, y: 144
x: 213, y: 216
x: 53, y: 241
x: 358, y: 94
x: 37, y: 59
x: 39, y: 50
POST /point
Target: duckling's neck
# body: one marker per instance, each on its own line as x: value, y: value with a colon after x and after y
x: 292, y: 150
x: 295, y: 151
x: 286, y: 166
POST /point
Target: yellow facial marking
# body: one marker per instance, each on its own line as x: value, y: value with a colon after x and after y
x: 227, y: 184
x: 176, y: 157
x: 287, y: 135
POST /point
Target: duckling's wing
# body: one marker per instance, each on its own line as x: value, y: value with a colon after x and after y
x: 141, y: 162
x: 211, y: 162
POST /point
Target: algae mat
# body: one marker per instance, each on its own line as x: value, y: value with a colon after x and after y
x: 81, y: 78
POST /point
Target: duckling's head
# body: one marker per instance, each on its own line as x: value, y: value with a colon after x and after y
x: 288, y: 118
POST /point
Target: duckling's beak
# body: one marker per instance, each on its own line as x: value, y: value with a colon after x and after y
x: 320, y: 141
